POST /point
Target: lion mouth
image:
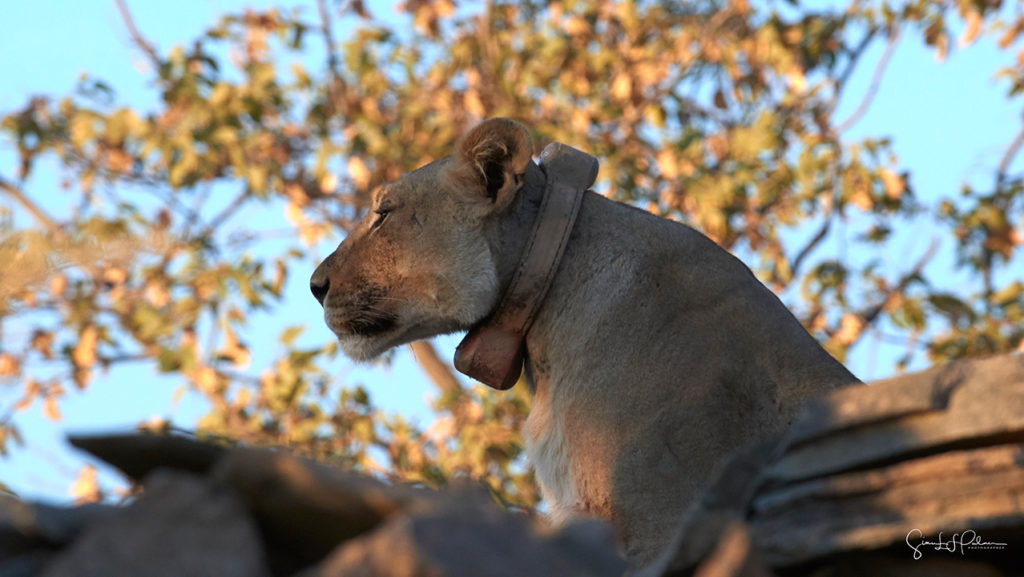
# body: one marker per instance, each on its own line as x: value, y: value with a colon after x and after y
x: 362, y: 316
x: 369, y: 324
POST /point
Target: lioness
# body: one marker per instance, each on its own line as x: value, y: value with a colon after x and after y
x: 653, y: 355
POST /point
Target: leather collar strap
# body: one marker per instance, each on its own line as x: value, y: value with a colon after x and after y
x: 493, y: 352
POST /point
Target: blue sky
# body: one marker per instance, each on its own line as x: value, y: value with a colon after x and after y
x: 950, y: 123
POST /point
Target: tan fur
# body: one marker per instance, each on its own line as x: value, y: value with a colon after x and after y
x: 654, y: 354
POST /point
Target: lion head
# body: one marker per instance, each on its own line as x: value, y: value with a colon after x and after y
x: 421, y: 262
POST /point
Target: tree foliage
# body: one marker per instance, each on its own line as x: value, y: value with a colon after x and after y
x: 719, y: 113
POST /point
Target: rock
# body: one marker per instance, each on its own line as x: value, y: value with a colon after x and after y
x: 31, y: 534
x: 937, y: 451
x: 966, y: 402
x: 137, y: 455
x: 469, y: 538
x: 182, y: 525
x: 980, y: 490
x: 867, y: 472
x: 27, y: 564
x: 734, y: 556
x: 307, y: 509
x: 26, y: 526
x: 321, y: 521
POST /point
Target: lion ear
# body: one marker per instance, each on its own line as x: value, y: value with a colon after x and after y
x: 491, y: 159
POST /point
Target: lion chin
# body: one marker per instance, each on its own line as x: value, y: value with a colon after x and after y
x: 363, y: 345
x: 362, y: 338
x: 363, y: 349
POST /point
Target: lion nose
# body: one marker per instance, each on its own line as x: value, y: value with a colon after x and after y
x: 319, y: 285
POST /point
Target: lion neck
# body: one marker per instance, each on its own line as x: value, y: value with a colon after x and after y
x: 510, y: 231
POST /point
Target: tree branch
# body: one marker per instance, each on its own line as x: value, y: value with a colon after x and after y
x: 226, y: 213
x: 332, y: 57
x: 36, y: 212
x: 871, y: 314
x: 876, y: 81
x: 811, y: 244
x: 854, y: 59
x: 436, y: 369
x: 443, y: 378
x: 1008, y: 156
x: 137, y: 37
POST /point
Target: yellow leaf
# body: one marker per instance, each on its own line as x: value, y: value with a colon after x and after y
x: 84, y: 353
x: 941, y: 48
x: 242, y: 398
x: 580, y: 120
x: 50, y: 409
x: 622, y: 87
x: 576, y: 25
x: 82, y: 376
x: 293, y: 214
x: 155, y: 424
x: 797, y: 80
x: 329, y: 183
x: 234, y: 351
x: 280, y: 273
x: 206, y: 380
x: 849, y: 329
x: 9, y: 366
x: 32, y: 390
x: 58, y: 283
x: 42, y: 342
x: 473, y: 104
x: 971, y: 28
x: 85, y: 489
x: 862, y: 200
x: 156, y: 294
x: 115, y: 275
x: 667, y: 164
x: 893, y: 183
x: 1010, y: 35
x: 818, y: 323
x: 444, y: 7
x: 358, y: 171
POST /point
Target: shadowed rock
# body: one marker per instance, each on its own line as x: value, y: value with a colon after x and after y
x: 182, y: 525
x: 865, y: 473
x: 468, y: 539
x: 137, y: 455
x: 306, y: 509
x: 210, y: 510
x: 30, y: 534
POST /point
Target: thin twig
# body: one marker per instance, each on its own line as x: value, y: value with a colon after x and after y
x: 811, y: 244
x: 325, y: 28
x: 137, y: 37
x: 851, y: 65
x: 876, y: 81
x: 36, y: 212
x: 332, y: 57
x: 442, y: 376
x: 1008, y: 156
x: 227, y: 212
x: 870, y: 314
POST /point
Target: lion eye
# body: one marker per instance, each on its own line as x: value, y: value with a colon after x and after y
x: 382, y: 214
